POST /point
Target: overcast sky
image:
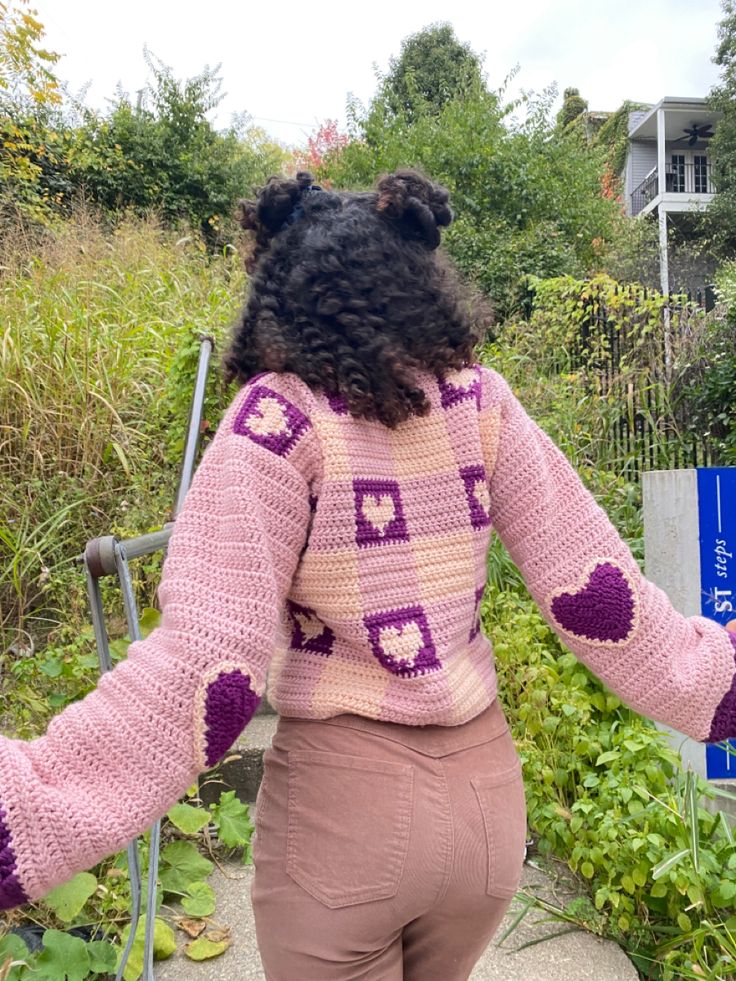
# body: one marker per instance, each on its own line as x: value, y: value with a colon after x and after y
x: 291, y: 65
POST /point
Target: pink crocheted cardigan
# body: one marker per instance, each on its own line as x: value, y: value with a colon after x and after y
x: 347, y: 561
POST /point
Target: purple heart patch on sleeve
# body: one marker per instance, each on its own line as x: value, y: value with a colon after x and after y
x: 226, y: 702
x: 603, y: 607
x: 11, y: 891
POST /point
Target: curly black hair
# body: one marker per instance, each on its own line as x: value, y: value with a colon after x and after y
x: 349, y: 291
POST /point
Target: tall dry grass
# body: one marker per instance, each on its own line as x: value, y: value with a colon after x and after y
x: 96, y: 329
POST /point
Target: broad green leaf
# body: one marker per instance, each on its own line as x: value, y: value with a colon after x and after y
x: 188, y: 819
x: 68, y: 900
x: 103, y: 956
x: 181, y: 865
x: 587, y: 870
x: 683, y: 921
x: 150, y: 619
x: 202, y: 949
x: 63, y: 958
x: 200, y: 901
x: 164, y: 945
x: 628, y: 883
x: 12, y: 949
x: 608, y: 757
x: 724, y: 894
x: 119, y: 647
x: 232, y: 819
x: 639, y: 876
x: 51, y: 667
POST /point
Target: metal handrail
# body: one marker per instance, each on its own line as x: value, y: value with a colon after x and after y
x: 109, y: 555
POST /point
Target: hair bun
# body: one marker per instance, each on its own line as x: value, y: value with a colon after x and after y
x: 274, y: 203
x: 418, y: 206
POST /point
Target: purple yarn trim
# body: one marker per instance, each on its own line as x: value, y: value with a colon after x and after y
x: 11, y: 892
x: 338, y: 404
x: 229, y: 706
x: 724, y: 719
x: 475, y: 629
x: 425, y: 658
x: 319, y: 644
x: 452, y: 394
x: 280, y: 443
x: 369, y: 494
x: 602, y: 610
x: 471, y: 476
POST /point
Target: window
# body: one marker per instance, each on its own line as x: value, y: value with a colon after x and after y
x: 701, y: 174
x: 676, y: 176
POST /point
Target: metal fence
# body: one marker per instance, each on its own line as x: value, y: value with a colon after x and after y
x: 636, y: 372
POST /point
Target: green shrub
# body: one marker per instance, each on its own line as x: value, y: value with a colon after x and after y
x: 708, y: 378
x: 527, y: 198
x: 607, y: 794
x: 605, y: 791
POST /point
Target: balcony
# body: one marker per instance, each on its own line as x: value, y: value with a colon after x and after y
x: 689, y: 179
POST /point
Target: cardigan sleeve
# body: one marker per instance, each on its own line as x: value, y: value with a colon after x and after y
x: 675, y: 669
x: 112, y: 763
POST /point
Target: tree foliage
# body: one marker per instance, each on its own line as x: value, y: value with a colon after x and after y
x: 162, y: 154
x: 165, y: 154
x: 26, y: 67
x: 613, y: 135
x: 433, y: 68
x: 29, y: 93
x: 527, y: 198
x: 573, y: 106
x: 322, y: 146
x: 721, y: 215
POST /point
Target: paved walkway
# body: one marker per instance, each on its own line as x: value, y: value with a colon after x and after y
x: 577, y: 956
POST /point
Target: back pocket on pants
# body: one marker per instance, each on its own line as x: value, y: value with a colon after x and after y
x: 349, y: 823
x: 503, y: 807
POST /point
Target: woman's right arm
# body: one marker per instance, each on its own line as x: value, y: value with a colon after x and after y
x: 111, y: 764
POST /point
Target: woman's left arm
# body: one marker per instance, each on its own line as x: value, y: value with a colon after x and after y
x: 675, y: 669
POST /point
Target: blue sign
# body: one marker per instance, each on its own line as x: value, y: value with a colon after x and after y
x: 717, y: 517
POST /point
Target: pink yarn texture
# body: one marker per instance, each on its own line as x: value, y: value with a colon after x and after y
x: 344, y: 562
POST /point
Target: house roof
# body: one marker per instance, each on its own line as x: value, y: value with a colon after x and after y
x: 678, y: 113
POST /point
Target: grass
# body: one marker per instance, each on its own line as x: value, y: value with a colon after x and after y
x: 94, y: 322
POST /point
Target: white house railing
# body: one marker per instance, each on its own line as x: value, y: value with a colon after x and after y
x: 689, y: 177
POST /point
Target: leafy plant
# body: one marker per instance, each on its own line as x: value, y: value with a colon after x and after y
x: 606, y: 793
x: 526, y: 198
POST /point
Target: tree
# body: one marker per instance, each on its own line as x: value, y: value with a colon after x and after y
x: 573, y: 106
x: 720, y: 219
x: 322, y: 146
x: 29, y: 95
x: 527, y: 198
x: 25, y: 66
x: 432, y: 69
x: 164, y: 154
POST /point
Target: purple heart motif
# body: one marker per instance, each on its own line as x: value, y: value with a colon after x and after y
x: 603, y: 610
x: 723, y: 725
x: 11, y: 891
x: 230, y: 704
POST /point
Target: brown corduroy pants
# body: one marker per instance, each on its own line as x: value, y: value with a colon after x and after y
x: 385, y: 852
